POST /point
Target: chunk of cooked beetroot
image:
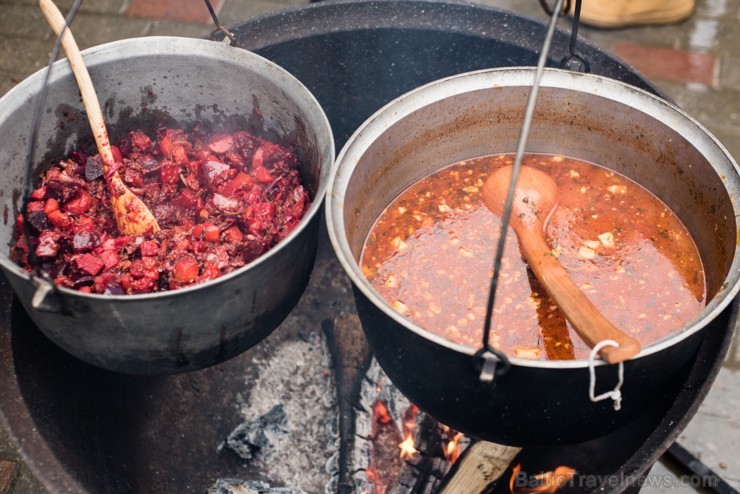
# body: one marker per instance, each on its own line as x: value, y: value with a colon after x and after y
x: 252, y: 249
x: 206, y: 231
x: 59, y: 219
x: 148, y: 165
x: 85, y: 241
x: 114, y: 243
x: 133, y: 177
x: 241, y: 181
x: 262, y: 174
x: 164, y: 213
x: 146, y: 267
x: 264, y: 211
x: 221, y: 143
x: 84, y: 223
x: 191, y: 180
x: 169, y: 173
x: 175, y: 145
x: 38, y: 221
x: 210, y: 272
x: 93, y: 168
x: 39, y: 194
x: 268, y: 154
x: 50, y: 205
x: 211, y: 169
x: 107, y: 284
x: 135, y: 141
x: 233, y: 235
x: 48, y: 244
x: 114, y: 288
x: 110, y: 258
x: 79, y: 204
x: 226, y: 204
x: 246, y: 143
x: 149, y: 248
x: 185, y: 269
x: 211, y: 233
x: 62, y: 191
x: 188, y: 199
x: 89, y: 263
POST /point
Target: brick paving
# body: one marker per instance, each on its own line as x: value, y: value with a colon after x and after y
x: 696, y: 63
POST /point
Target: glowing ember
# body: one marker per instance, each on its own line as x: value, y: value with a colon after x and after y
x: 542, y: 483
x: 381, y: 413
x: 407, y: 448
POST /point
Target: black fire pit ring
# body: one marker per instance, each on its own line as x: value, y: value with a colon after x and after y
x: 81, y: 429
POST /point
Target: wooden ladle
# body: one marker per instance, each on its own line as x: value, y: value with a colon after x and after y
x: 132, y: 215
x: 534, y: 198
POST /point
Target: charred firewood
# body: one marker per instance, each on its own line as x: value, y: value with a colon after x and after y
x: 256, y: 437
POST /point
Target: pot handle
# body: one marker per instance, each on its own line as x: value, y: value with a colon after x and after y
x: 47, y: 298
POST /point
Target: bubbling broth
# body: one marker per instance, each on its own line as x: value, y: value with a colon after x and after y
x: 430, y: 255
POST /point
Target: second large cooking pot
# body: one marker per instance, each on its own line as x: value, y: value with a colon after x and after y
x: 579, y: 115
x: 141, y: 83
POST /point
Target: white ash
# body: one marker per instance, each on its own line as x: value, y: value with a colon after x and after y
x: 236, y: 486
x: 297, y: 378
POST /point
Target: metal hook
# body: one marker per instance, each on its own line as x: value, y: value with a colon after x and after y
x: 574, y: 61
x: 491, y: 363
x: 219, y: 26
x: 549, y: 11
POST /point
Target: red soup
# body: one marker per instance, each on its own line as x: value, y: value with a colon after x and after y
x: 430, y: 255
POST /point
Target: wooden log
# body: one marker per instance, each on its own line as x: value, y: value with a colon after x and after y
x: 481, y: 464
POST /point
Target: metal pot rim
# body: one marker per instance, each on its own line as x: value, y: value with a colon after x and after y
x: 119, y: 52
x: 635, y: 98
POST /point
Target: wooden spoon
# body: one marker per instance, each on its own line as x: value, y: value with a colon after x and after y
x: 132, y: 215
x: 534, y: 198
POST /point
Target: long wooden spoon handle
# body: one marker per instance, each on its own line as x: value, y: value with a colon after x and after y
x: 587, y: 320
x: 132, y: 215
x: 89, y: 98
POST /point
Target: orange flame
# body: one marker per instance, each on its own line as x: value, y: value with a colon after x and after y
x: 452, y: 450
x: 407, y: 447
x: 543, y: 483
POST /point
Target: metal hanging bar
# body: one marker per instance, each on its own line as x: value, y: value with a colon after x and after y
x: 47, y: 296
x: 488, y: 359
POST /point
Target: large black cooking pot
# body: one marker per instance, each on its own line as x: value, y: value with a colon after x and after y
x: 584, y: 116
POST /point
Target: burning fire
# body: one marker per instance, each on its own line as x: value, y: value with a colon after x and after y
x: 389, y: 429
x: 547, y: 482
x: 452, y: 450
x: 407, y: 447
